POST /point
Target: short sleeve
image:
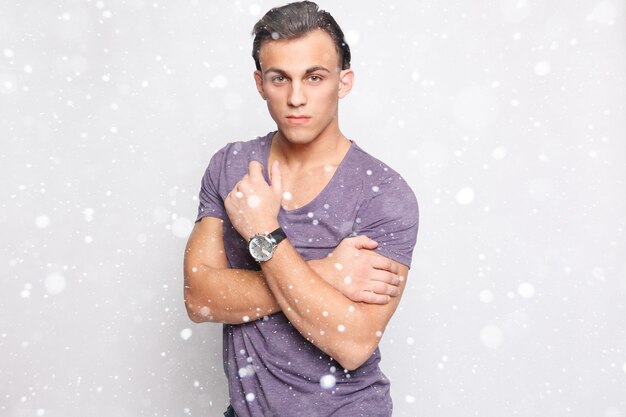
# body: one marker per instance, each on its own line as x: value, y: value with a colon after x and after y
x: 211, y: 203
x: 390, y: 216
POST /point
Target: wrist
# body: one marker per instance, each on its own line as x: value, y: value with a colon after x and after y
x: 263, y: 245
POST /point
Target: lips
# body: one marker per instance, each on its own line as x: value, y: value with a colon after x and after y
x: 297, y: 120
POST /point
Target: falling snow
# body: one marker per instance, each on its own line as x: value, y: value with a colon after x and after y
x: 328, y: 381
x: 506, y: 119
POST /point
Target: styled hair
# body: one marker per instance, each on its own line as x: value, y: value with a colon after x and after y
x: 295, y: 20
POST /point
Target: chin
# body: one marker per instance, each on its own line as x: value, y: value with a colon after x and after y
x: 298, y: 136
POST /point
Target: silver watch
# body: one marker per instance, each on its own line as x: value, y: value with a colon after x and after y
x: 263, y: 245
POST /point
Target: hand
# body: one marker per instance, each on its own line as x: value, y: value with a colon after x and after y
x: 253, y: 204
x: 359, y: 273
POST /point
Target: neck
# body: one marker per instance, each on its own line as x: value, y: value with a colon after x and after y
x: 326, y: 150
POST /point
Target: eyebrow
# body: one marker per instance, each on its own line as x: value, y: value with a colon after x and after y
x: 308, y: 71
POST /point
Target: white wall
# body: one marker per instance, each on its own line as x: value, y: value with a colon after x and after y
x: 507, y: 117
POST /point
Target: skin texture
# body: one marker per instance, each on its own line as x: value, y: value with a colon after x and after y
x: 301, y: 82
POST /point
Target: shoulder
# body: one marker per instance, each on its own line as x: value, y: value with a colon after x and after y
x: 389, y: 211
x: 379, y: 179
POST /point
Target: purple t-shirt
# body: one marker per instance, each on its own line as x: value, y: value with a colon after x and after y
x: 272, y: 370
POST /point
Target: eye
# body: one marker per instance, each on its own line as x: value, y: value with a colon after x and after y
x: 278, y: 79
x: 315, y: 79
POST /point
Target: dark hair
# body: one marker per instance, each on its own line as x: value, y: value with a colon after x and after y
x: 295, y: 20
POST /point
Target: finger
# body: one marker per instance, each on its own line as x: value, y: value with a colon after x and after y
x: 364, y: 242
x: 380, y: 262
x: 276, y: 179
x: 382, y: 288
x: 255, y: 169
x: 373, y: 298
x: 384, y: 276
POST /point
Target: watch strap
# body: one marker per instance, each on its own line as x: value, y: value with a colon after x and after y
x: 278, y: 235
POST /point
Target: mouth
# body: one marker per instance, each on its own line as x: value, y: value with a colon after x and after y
x: 297, y: 120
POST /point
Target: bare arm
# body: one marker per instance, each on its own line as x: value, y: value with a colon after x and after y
x: 215, y: 293
x: 347, y: 331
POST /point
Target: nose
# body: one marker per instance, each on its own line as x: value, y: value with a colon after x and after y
x: 296, y: 96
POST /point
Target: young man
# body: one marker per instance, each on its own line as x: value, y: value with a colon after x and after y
x: 273, y: 254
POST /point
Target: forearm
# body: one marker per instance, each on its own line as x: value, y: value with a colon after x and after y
x: 231, y: 296
x: 329, y: 320
x: 224, y: 295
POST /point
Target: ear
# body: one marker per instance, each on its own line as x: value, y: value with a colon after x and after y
x: 258, y: 79
x: 346, y: 79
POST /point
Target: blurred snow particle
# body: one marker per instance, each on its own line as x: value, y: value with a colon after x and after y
x: 542, y: 68
x: 25, y: 293
x: 409, y: 399
x: 341, y: 328
x: 219, y: 81
x: 55, y: 283
x: 88, y: 213
x: 42, y: 221
x: 41, y: 412
x: 486, y: 296
x: 491, y: 336
x: 181, y: 227
x: 328, y: 381
x: 185, y: 334
x: 604, y: 13
x: 8, y: 53
x: 8, y: 83
x: 498, y: 153
x: 410, y: 341
x: 476, y: 107
x: 250, y: 397
x: 526, y: 290
x: 415, y: 76
x: 352, y: 37
x: 28, y: 69
x: 254, y: 9
x: 287, y: 196
x: 375, y: 188
x: 598, y: 273
x: 254, y: 201
x: 624, y: 367
x: 465, y: 196
x: 514, y: 10
x: 338, y: 266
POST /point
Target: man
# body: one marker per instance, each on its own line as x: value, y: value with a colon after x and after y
x: 273, y: 254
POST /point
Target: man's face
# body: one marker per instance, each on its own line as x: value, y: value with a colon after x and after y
x: 301, y: 81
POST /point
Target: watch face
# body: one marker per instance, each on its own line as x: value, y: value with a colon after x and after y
x: 261, y: 248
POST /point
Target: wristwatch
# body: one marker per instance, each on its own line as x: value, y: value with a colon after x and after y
x: 262, y: 245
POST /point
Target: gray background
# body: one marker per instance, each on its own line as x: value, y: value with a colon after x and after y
x: 506, y: 117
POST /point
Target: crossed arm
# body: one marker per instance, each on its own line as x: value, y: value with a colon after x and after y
x: 344, y: 318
